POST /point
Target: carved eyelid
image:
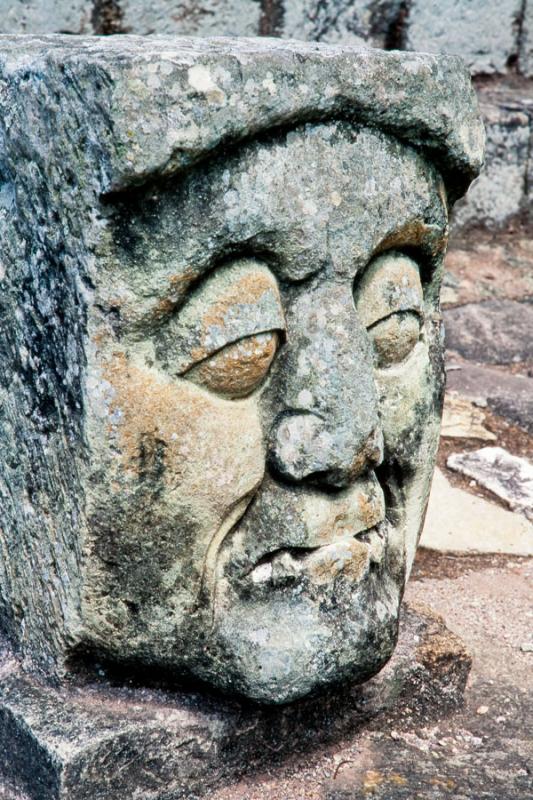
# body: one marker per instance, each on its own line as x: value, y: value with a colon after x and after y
x: 390, y: 284
x: 415, y: 311
x: 241, y: 300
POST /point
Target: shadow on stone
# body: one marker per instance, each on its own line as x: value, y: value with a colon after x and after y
x: 96, y: 741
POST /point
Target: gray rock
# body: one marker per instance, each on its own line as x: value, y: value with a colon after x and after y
x: 46, y: 16
x: 483, y: 32
x: 499, y: 193
x: 196, y: 18
x: 375, y: 22
x: 510, y: 396
x: 492, y: 332
x: 507, y: 476
x: 94, y: 741
x: 526, y: 43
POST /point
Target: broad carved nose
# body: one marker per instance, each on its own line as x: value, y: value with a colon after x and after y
x: 328, y: 430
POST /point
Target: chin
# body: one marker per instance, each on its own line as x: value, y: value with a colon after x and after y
x: 276, y: 643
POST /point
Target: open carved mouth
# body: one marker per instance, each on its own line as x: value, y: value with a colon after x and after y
x: 339, y: 544
x: 349, y: 555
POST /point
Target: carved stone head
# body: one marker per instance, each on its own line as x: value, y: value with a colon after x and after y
x: 236, y: 410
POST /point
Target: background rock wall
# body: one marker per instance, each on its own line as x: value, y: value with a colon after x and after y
x: 495, y: 37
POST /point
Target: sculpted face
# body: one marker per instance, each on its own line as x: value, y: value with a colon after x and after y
x: 265, y: 385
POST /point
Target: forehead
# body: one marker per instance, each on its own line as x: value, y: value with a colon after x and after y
x: 320, y: 196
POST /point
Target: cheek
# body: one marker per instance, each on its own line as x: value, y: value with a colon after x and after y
x: 408, y: 409
x: 187, y: 454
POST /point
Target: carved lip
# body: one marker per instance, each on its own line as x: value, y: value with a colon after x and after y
x: 349, y: 554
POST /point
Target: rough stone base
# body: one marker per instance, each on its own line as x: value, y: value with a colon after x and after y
x: 97, y: 741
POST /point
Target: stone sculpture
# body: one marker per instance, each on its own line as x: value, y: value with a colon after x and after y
x: 221, y: 351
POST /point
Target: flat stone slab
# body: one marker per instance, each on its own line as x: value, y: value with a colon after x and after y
x: 460, y: 522
x: 510, y: 396
x: 462, y: 419
x: 94, y: 741
x: 507, y: 476
x: 492, y: 332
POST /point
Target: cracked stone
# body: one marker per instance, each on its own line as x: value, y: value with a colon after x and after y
x: 507, y: 476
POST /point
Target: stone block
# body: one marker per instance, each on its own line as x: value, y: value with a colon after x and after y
x: 46, y: 16
x: 491, y: 332
x: 460, y: 522
x: 197, y: 18
x: 525, y: 60
x: 95, y: 740
x: 509, y: 396
x: 483, y: 32
x: 501, y: 191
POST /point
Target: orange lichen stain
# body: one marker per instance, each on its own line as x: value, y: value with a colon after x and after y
x: 147, y: 406
x: 397, y: 779
x: 178, y: 285
x: 246, y: 289
x: 372, y: 780
x: 369, y: 510
x: 413, y: 234
x: 209, y: 446
x: 351, y: 562
x: 443, y: 783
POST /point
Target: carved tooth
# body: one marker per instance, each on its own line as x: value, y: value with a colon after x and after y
x: 262, y: 573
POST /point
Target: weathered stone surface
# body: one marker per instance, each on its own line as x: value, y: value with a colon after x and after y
x: 510, y: 396
x: 96, y: 741
x: 46, y: 16
x: 503, y: 190
x: 509, y: 477
x: 492, y: 332
x: 196, y: 18
x: 462, y: 419
x: 378, y: 23
x: 460, y: 522
x: 526, y: 42
x: 195, y: 363
x: 489, y: 37
x: 483, y: 32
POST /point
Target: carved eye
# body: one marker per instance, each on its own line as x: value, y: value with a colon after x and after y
x: 390, y: 303
x: 226, y: 335
x: 395, y: 337
x: 239, y: 368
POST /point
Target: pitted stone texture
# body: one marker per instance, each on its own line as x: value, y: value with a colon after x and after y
x: 483, y: 32
x: 213, y: 463
x: 97, y: 741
